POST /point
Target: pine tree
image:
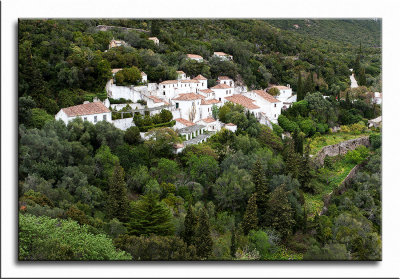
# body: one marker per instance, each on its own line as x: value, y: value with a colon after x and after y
x: 203, y: 240
x: 261, y: 187
x: 233, y: 243
x: 149, y: 216
x: 118, y: 204
x: 190, y: 224
x: 250, y: 219
x: 280, y: 215
x: 300, y: 89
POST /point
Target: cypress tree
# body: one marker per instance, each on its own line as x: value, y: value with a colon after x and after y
x: 298, y: 142
x: 250, y: 219
x: 362, y: 80
x: 203, y: 240
x: 118, y: 204
x: 305, y: 174
x: 300, y: 89
x: 292, y: 159
x: 280, y: 215
x: 190, y: 224
x: 309, y: 84
x: 261, y: 187
x: 233, y: 243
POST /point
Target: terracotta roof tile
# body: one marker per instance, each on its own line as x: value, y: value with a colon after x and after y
x: 220, y: 53
x: 114, y: 71
x: 155, y: 99
x: 180, y: 72
x: 169, y: 82
x: 266, y: 96
x: 86, y: 109
x: 207, y: 91
x: 223, y: 78
x: 280, y: 87
x: 221, y: 86
x: 143, y: 74
x: 242, y: 100
x: 185, y: 122
x: 230, y: 124
x: 208, y: 120
x: 194, y: 56
x: 189, y: 81
x: 188, y: 97
x: 200, y: 77
x: 209, y: 102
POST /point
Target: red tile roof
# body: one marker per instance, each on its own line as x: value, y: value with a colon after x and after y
x: 185, y: 122
x: 180, y: 72
x: 242, y: 100
x: 207, y: 91
x: 86, y: 109
x: 280, y: 87
x: 223, y: 78
x: 188, y: 97
x: 209, y: 102
x: 220, y: 53
x: 208, y: 120
x: 189, y: 81
x: 155, y: 99
x: 221, y: 86
x: 194, y: 56
x: 266, y: 96
x: 169, y: 82
x: 230, y: 124
x: 200, y: 77
x: 143, y: 74
x: 115, y: 70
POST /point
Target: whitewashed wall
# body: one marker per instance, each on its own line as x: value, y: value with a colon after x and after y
x: 123, y: 124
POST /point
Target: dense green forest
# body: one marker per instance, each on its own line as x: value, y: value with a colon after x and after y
x: 240, y: 196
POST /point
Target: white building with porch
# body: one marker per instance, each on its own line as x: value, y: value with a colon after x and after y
x: 92, y: 112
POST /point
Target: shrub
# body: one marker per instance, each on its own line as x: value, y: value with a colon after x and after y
x: 357, y: 155
x: 375, y: 140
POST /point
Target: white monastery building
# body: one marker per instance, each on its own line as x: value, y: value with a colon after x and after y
x: 188, y: 105
x: 92, y: 112
x: 223, y: 56
x: 155, y: 40
x: 222, y: 91
x: 116, y: 43
x: 195, y: 57
x: 226, y: 80
x: 270, y: 107
x: 144, y: 77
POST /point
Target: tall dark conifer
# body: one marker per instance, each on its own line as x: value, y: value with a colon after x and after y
x: 233, y: 243
x: 190, y: 224
x: 203, y: 241
x: 300, y: 89
x: 250, y: 220
x: 261, y: 186
x: 117, y: 203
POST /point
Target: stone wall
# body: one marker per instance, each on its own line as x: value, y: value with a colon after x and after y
x: 340, y: 148
x: 341, y: 188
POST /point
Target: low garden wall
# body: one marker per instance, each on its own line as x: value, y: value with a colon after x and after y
x: 339, y: 149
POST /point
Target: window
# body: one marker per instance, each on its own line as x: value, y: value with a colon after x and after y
x: 85, y: 119
x: 177, y: 105
x: 274, y: 105
x: 163, y: 86
x: 163, y: 92
x: 104, y: 117
x: 95, y: 119
x: 220, y: 99
x: 275, y: 115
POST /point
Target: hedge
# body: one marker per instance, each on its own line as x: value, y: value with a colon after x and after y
x: 147, y: 128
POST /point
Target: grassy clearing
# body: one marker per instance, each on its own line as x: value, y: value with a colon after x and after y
x: 318, y: 143
x: 328, y: 179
